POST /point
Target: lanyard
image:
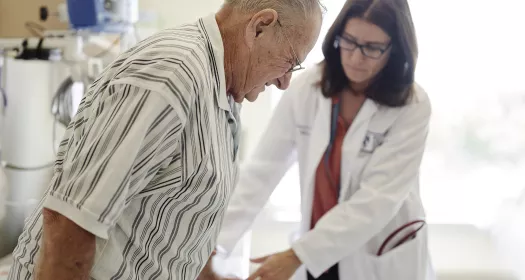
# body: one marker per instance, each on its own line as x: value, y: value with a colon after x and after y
x: 333, y: 129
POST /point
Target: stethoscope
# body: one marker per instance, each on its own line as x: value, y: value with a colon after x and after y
x: 336, y: 107
x: 407, y: 237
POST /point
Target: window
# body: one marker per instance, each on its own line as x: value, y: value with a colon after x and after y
x: 471, y: 65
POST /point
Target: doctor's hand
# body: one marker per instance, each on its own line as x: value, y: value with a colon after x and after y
x: 280, y: 266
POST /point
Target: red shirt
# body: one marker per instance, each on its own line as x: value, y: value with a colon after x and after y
x: 327, y: 180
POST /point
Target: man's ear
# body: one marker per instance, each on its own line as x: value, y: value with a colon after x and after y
x: 261, y: 23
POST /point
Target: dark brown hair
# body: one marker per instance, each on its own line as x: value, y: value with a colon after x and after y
x: 394, y: 84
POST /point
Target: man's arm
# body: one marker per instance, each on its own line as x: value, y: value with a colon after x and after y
x: 68, y: 250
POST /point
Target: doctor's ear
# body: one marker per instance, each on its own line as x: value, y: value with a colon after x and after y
x: 260, y: 23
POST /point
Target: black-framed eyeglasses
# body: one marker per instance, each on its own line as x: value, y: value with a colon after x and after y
x: 297, y: 63
x: 371, y: 51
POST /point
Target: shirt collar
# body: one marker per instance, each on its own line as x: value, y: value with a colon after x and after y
x: 212, y: 34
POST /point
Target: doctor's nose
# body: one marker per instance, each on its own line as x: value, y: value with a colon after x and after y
x: 283, y: 82
x: 356, y: 56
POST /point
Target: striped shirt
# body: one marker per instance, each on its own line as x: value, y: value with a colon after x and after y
x: 148, y: 163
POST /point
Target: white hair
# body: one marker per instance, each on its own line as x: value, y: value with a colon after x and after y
x: 288, y: 10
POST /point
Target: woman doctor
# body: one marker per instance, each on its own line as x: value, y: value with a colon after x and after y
x: 357, y: 125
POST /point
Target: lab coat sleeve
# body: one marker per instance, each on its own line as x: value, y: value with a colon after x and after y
x: 258, y: 177
x: 390, y: 175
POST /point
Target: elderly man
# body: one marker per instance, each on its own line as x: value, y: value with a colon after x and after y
x: 148, y: 164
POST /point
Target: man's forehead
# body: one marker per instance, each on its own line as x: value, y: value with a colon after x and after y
x: 305, y: 43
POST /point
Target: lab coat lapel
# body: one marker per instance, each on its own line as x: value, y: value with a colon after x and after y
x: 353, y: 143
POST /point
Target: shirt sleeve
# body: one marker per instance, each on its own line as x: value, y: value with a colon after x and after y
x: 111, y: 157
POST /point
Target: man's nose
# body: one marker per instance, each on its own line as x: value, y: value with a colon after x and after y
x: 283, y: 82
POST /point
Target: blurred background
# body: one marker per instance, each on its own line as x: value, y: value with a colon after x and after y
x: 471, y: 63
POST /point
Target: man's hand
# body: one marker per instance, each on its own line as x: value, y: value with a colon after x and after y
x: 280, y: 266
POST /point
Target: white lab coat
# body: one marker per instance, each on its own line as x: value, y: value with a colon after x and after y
x: 379, y: 184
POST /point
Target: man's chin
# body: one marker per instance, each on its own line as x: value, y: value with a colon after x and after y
x: 251, y: 98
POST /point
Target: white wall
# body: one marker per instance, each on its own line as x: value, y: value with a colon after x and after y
x: 170, y: 13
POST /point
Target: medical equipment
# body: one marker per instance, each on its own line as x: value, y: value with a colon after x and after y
x: 39, y: 99
x: 27, y: 140
x: 409, y: 235
x: 102, y: 15
x: 87, y: 18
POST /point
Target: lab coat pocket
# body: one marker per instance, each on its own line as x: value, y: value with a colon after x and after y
x: 407, y: 261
